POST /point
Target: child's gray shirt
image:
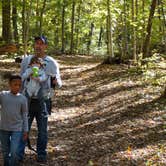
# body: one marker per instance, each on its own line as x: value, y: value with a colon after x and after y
x: 13, y: 112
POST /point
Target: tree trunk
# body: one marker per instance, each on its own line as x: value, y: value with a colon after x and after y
x: 109, y: 32
x: 148, y: 30
x: 134, y: 32
x: 77, y: 25
x: 72, y: 28
x: 14, y: 18
x: 125, y: 40
x: 41, y: 17
x: 37, y: 17
x: 63, y: 27
x: 26, y: 13
x: 90, y: 38
x: 143, y: 25
x: 6, y: 24
x: 23, y: 24
x: 164, y: 23
x: 165, y: 92
x: 56, y: 33
x: 100, y: 37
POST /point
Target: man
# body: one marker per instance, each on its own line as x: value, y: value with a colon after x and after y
x: 51, y: 68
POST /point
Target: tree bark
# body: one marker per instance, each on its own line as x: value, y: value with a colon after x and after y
x: 148, y: 30
x: 77, y: 25
x: 109, y: 32
x: 110, y: 57
x: 143, y: 25
x: 125, y: 40
x: 72, y: 28
x: 134, y: 32
x: 63, y: 27
x: 14, y: 18
x: 6, y: 22
x: 100, y: 37
x: 26, y: 13
x: 90, y: 38
x: 37, y: 16
x: 41, y: 17
x: 164, y: 23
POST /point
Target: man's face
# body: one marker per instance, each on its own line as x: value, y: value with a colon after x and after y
x: 40, y: 48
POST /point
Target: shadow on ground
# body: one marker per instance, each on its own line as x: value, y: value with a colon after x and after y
x: 102, y: 116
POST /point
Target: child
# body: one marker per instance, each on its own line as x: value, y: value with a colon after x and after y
x: 33, y: 78
x: 13, y: 120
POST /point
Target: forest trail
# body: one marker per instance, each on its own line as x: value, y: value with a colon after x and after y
x: 103, y: 116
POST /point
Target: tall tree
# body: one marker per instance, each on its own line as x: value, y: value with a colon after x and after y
x: 14, y: 18
x: 125, y: 34
x: 72, y: 28
x: 63, y: 27
x: 90, y: 37
x: 26, y: 13
x: 143, y: 25
x: 134, y: 31
x: 148, y: 30
x: 37, y: 24
x: 6, y: 22
x: 77, y: 30
x: 163, y: 22
x: 100, y: 37
x: 41, y: 17
x: 109, y: 31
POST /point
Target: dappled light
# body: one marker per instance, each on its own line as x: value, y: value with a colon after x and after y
x: 103, y: 115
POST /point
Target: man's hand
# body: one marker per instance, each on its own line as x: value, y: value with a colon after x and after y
x: 53, y: 82
x: 35, y: 78
x: 25, y: 136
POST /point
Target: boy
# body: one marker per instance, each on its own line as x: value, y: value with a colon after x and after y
x: 13, y: 120
x: 33, y: 79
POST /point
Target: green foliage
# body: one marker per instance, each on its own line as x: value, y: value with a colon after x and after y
x: 154, y: 70
x: 87, y: 12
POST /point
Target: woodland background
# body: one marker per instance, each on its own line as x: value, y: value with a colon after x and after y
x: 111, y: 109
x: 129, y: 29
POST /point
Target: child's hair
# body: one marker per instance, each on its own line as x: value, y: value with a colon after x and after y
x: 35, y: 59
x: 14, y: 77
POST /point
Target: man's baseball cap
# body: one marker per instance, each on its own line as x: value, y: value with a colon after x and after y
x: 43, y: 38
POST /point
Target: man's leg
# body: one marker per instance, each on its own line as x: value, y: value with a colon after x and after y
x: 42, y: 103
x: 5, y: 144
x: 49, y: 105
x: 42, y: 136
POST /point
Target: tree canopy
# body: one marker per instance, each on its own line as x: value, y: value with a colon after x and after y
x: 123, y: 28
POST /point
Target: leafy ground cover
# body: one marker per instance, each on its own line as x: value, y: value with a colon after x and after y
x: 104, y: 115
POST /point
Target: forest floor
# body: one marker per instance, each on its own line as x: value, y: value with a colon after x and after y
x: 103, y: 115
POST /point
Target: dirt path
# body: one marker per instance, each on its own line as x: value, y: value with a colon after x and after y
x: 103, y: 116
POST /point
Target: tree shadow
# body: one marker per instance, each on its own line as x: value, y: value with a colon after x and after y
x: 99, y: 133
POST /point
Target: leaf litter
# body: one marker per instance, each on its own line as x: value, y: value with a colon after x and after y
x: 102, y: 116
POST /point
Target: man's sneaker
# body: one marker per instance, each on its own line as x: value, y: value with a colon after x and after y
x: 41, y: 160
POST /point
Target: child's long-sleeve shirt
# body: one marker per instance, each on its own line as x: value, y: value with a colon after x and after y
x: 13, y: 112
x: 32, y: 86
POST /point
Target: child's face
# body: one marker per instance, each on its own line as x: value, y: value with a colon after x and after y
x: 36, y: 64
x: 15, y: 86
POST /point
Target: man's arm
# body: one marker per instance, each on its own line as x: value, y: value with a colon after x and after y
x: 52, y: 70
x: 57, y: 78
